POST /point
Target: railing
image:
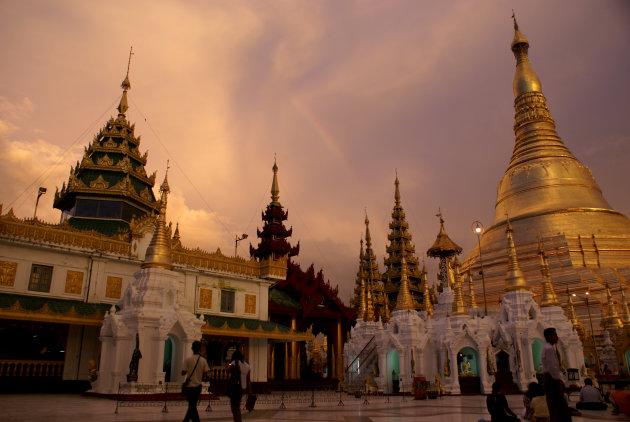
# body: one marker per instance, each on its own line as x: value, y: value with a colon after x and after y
x: 219, y: 373
x: 360, y: 353
x: 366, y: 357
x: 30, y: 368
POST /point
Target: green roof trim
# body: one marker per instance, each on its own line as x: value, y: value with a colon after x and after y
x: 279, y: 297
x: 59, y: 306
x: 106, y: 227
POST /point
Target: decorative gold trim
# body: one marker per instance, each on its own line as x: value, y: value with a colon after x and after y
x: 205, y: 298
x: 113, y: 287
x: 99, y: 183
x: 8, y: 270
x: 74, y: 282
x: 242, y: 331
x: 44, y: 314
x: 250, y: 304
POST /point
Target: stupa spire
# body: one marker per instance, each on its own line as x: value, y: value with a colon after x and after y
x: 443, y: 248
x: 612, y: 320
x: 459, y: 307
x: 572, y: 316
x: 404, y: 302
x: 125, y: 85
x: 549, y: 297
x: 275, y: 190
x: 525, y: 79
x: 362, y: 296
x: 369, y: 258
x: 369, y: 313
x: 428, y: 306
x: 514, y: 279
x: 397, y: 191
x: 471, y: 291
x: 158, y: 253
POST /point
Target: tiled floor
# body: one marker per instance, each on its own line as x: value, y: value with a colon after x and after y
x: 60, y: 407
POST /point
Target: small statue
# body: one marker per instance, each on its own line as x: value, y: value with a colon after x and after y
x: 133, y: 365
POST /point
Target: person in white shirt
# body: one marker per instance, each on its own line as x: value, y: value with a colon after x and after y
x: 553, y: 379
x: 590, y: 397
x: 195, y: 367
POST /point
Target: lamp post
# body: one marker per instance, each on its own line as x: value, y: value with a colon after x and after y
x: 590, y: 320
x: 478, y: 230
x: 40, y: 192
x: 236, y: 240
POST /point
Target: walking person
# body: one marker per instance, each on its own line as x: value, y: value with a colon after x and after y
x: 553, y: 380
x: 195, y: 367
x: 238, y: 384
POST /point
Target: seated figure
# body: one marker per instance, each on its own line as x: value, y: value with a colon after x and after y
x: 590, y: 397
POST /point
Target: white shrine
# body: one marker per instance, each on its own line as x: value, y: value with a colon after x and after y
x: 463, y: 349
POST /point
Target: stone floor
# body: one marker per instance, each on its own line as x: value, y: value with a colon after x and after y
x: 62, y: 407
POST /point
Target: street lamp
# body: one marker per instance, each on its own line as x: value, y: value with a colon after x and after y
x: 477, y: 228
x: 590, y: 320
x: 236, y: 240
x: 40, y: 192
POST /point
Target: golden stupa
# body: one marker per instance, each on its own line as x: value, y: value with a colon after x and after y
x: 550, y: 195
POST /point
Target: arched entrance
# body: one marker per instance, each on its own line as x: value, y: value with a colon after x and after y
x: 167, y: 364
x: 393, y: 371
x: 468, y: 371
x: 537, y: 346
x: 504, y: 373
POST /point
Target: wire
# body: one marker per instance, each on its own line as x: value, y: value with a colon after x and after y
x: 62, y: 157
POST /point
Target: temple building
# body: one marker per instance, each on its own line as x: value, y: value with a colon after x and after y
x: 112, y: 279
x: 303, y: 301
x: 553, y: 202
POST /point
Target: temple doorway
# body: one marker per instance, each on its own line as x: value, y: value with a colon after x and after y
x: 468, y: 372
x: 537, y: 346
x: 167, y: 364
x: 393, y: 371
x: 504, y: 374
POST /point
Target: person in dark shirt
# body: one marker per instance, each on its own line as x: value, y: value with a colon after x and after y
x: 498, y: 406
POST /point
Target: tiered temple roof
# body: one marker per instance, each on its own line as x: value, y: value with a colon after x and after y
x: 109, y: 187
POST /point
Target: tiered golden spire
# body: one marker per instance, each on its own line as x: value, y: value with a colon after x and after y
x: 369, y: 314
x: 385, y: 314
x: 126, y: 85
x: 362, y: 296
x: 158, y: 253
x: 428, y: 306
x: 549, y: 297
x: 404, y: 301
x: 577, y: 325
x: 612, y: 321
x: 514, y: 279
x: 459, y: 307
x: 275, y: 190
x: 525, y: 79
x: 471, y: 291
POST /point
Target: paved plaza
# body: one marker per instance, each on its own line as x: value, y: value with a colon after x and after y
x: 66, y: 407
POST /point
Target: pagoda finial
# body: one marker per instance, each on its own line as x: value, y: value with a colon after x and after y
x: 158, y: 254
x: 369, y: 313
x: 385, y: 314
x: 611, y: 320
x: 459, y: 307
x: 549, y: 297
x: 577, y: 325
x: 471, y: 291
x: 126, y: 85
x: 275, y: 190
x: 397, y: 192
x: 368, y: 237
x: 525, y: 79
x: 428, y: 306
x: 404, y: 302
x: 362, y: 299
x: 514, y: 279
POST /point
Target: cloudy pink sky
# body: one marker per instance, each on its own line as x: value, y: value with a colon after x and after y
x: 343, y: 92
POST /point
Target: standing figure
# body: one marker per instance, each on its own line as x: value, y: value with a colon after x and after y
x: 135, y: 358
x: 238, y: 384
x: 553, y: 380
x: 195, y: 367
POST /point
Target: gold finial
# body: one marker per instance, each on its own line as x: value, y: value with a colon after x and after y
x: 471, y: 291
x: 368, y: 237
x: 525, y: 79
x: 572, y: 316
x: 459, y: 308
x: 549, y: 297
x: 611, y: 320
x: 126, y: 85
x: 514, y: 279
x: 428, y: 306
x: 397, y: 192
x: 158, y: 253
x: 275, y: 190
x: 404, y: 300
x: 385, y: 314
x: 362, y: 300
x: 369, y: 314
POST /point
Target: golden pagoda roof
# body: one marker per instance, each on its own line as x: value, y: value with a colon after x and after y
x: 443, y: 245
x: 158, y: 253
x: 514, y: 279
x: 404, y: 301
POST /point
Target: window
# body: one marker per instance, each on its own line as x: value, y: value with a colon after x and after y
x: 41, y: 276
x: 227, y: 301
